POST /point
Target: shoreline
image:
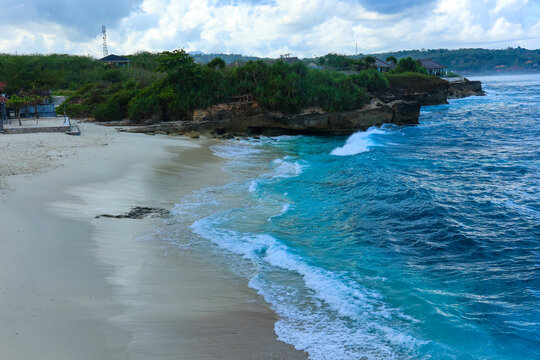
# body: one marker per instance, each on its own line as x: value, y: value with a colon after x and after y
x: 73, y: 286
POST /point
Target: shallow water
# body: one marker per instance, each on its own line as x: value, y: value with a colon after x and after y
x: 415, y: 242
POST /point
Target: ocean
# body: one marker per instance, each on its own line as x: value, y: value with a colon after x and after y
x: 401, y: 242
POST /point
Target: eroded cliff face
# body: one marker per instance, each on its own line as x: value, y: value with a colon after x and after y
x: 400, y: 105
x: 424, y: 91
x: 465, y: 88
x: 249, y: 119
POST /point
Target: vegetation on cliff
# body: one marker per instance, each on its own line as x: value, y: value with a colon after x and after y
x: 414, y: 82
x: 171, y: 85
x: 179, y: 86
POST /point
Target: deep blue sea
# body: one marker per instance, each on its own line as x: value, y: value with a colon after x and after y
x: 413, y: 242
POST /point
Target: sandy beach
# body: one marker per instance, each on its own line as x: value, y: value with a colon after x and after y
x: 73, y: 286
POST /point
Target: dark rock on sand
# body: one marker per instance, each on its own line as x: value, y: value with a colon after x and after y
x: 138, y: 212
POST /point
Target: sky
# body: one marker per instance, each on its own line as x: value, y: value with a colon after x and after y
x: 266, y: 28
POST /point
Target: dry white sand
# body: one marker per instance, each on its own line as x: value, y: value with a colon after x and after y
x: 29, y: 154
x: 76, y: 287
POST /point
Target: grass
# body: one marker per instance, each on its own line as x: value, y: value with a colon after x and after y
x: 414, y: 81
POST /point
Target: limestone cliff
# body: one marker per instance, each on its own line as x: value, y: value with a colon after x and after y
x: 249, y: 119
x: 399, y: 104
x: 464, y: 88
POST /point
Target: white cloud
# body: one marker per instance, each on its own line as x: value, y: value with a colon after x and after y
x: 300, y: 27
x: 502, y: 4
x: 503, y: 28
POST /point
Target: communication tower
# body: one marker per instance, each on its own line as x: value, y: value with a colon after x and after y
x: 104, y: 32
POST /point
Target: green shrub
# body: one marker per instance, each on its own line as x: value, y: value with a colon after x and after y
x: 108, y: 111
x: 414, y: 81
x: 409, y: 64
x: 144, y: 105
x: 370, y: 79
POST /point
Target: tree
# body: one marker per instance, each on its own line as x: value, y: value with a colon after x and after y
x: 34, y: 100
x: 370, y: 61
x: 179, y: 65
x: 16, y: 102
x: 409, y: 64
x: 217, y: 63
x: 360, y: 65
x: 392, y: 59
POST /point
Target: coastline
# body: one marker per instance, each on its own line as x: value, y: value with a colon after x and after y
x: 73, y: 286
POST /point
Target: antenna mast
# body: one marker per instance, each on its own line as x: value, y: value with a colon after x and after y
x: 104, y: 32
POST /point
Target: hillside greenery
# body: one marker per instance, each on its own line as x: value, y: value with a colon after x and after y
x: 477, y: 61
x: 464, y: 61
x: 182, y: 85
x: 171, y: 85
x: 413, y: 81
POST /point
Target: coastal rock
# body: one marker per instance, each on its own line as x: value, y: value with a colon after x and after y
x: 226, y: 111
x: 423, y: 90
x: 138, y: 212
x: 465, y: 88
x: 399, y: 105
x: 225, y: 121
x: 405, y: 112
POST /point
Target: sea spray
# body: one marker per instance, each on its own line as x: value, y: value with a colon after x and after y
x: 358, y: 142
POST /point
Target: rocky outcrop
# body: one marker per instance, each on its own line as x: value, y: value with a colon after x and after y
x: 465, y: 88
x: 138, y: 212
x: 399, y: 104
x: 421, y: 89
x: 227, y: 119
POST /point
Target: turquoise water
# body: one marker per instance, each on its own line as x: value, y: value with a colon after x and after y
x: 417, y: 242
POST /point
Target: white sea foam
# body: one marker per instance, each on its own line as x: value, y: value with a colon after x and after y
x: 196, y: 200
x: 286, y: 168
x: 283, y: 168
x: 283, y: 211
x: 358, y: 143
x: 253, y: 186
x: 349, y: 300
x: 306, y: 323
x: 233, y: 150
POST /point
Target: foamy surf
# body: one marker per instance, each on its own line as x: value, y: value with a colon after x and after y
x: 286, y: 168
x: 358, y: 142
x: 233, y: 150
x: 333, y: 301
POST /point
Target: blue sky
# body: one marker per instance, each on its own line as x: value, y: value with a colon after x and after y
x: 266, y: 27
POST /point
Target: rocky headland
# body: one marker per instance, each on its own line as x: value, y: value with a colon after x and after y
x: 399, y: 104
x: 465, y: 88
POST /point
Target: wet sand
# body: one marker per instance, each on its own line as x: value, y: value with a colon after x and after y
x: 76, y: 287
